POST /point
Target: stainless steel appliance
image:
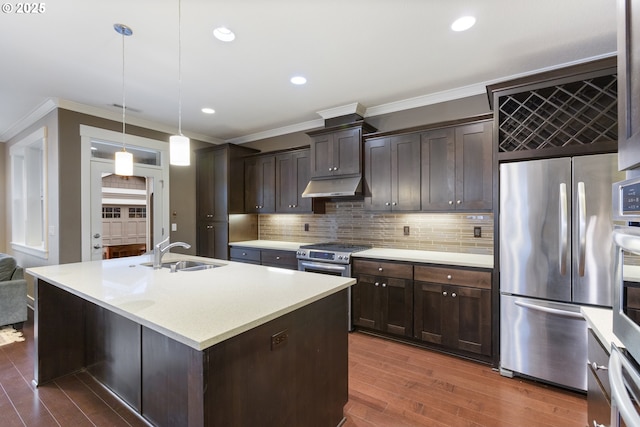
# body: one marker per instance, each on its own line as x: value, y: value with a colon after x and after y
x: 556, y: 253
x: 329, y: 258
x: 624, y: 372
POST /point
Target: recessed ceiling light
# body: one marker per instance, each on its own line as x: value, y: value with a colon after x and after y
x: 463, y: 24
x: 208, y: 110
x: 298, y: 80
x: 224, y: 34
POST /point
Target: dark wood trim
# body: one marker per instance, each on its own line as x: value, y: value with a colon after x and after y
x: 431, y: 126
x: 584, y: 70
x: 366, y: 128
x: 546, y: 153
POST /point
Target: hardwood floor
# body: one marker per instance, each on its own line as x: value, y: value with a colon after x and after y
x: 390, y: 385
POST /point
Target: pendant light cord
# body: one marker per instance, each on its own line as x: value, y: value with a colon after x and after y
x: 179, y: 68
x: 124, y: 106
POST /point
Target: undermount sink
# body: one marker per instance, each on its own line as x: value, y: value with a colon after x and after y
x: 185, y: 265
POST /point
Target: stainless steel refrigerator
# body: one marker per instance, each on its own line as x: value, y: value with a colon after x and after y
x: 556, y: 254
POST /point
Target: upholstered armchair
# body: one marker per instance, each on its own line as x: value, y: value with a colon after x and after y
x: 13, y: 293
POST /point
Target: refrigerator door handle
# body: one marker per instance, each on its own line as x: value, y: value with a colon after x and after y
x: 582, y: 228
x: 563, y: 243
x: 619, y: 396
x: 550, y: 310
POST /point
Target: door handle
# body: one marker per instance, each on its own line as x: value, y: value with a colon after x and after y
x: 618, y: 389
x: 563, y: 244
x: 550, y: 310
x: 582, y: 228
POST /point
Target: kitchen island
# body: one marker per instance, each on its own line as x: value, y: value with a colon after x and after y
x: 239, y: 344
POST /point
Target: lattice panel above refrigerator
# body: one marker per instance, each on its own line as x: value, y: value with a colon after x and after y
x: 576, y: 113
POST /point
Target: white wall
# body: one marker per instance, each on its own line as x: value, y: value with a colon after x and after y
x: 3, y: 198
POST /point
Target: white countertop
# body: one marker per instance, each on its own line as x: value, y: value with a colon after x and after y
x: 410, y: 255
x: 269, y: 244
x: 196, y: 308
x: 445, y: 258
x: 600, y: 320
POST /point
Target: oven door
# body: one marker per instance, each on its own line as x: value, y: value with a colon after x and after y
x: 625, y: 390
x: 626, y: 290
x: 343, y: 270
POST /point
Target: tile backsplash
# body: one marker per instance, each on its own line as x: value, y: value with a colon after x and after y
x: 348, y: 222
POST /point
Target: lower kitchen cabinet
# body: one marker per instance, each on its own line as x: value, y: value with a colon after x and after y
x: 268, y: 257
x: 383, y: 297
x: 453, y: 308
x: 598, y: 388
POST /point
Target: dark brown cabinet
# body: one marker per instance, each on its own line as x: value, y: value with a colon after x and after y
x: 220, y: 192
x: 457, y: 168
x: 382, y: 297
x: 392, y: 173
x: 453, y: 308
x: 267, y: 257
x: 292, y: 172
x: 260, y: 188
x: 628, y: 85
x: 337, y: 151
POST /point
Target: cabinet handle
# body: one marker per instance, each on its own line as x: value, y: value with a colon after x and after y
x: 459, y: 202
x: 330, y: 169
x: 376, y: 284
x: 384, y: 285
x: 244, y: 254
x: 256, y: 206
x: 277, y: 257
x: 450, y: 202
x: 444, y: 293
x: 597, y: 367
x: 294, y: 206
x: 453, y: 295
x: 387, y: 204
x: 394, y: 203
x: 209, y: 216
x: 209, y: 227
x: 379, y: 268
x: 335, y: 169
x: 449, y: 276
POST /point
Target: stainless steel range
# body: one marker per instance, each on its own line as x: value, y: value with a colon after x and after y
x: 329, y: 258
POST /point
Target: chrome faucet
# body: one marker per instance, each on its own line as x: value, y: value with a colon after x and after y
x: 159, y: 251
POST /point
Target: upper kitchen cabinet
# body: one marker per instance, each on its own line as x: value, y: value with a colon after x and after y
x: 628, y: 86
x: 457, y: 168
x: 260, y: 188
x: 392, y: 173
x: 337, y: 151
x: 569, y: 111
x: 292, y: 176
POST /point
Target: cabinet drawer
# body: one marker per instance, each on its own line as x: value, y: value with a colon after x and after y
x: 279, y: 258
x: 242, y: 254
x: 476, y: 279
x: 388, y: 269
x: 598, y: 357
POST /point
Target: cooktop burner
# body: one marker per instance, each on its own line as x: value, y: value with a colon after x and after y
x: 337, y: 247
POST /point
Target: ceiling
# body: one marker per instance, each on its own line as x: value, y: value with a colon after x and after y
x: 387, y: 55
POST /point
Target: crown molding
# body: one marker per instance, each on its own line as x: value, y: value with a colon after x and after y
x: 298, y: 127
x: 344, y: 110
x: 38, y: 113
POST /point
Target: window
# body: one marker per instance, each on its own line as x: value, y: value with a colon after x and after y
x: 109, y: 212
x: 138, y: 212
x: 29, y: 194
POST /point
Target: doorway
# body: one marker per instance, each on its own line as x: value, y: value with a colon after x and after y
x: 122, y: 216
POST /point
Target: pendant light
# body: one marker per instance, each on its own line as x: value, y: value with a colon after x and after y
x: 179, y: 150
x: 124, y: 159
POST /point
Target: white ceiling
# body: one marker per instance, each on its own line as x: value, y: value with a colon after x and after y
x: 384, y: 54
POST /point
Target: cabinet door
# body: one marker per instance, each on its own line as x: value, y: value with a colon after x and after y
x: 322, y: 155
x: 260, y: 173
x: 301, y: 175
x: 347, y: 152
x: 377, y: 174
x: 211, y: 173
x: 213, y: 240
x: 405, y: 173
x: 366, y: 302
x: 628, y: 85
x: 467, y: 314
x: 285, y: 183
x: 438, y: 176
x: 428, y: 315
x: 474, y: 166
x: 396, y: 306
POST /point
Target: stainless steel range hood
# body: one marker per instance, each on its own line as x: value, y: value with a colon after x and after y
x: 333, y: 187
